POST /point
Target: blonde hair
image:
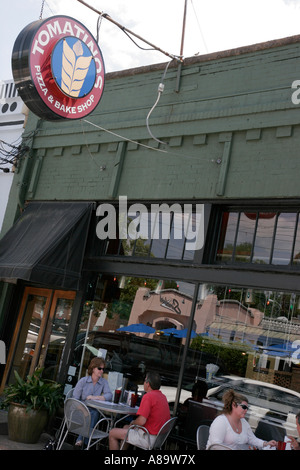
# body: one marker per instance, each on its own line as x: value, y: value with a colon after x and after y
x: 230, y: 397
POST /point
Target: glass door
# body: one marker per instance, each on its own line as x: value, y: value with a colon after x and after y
x: 40, y: 333
x: 55, y: 334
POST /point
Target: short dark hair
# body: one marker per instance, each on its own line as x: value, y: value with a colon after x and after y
x: 154, y: 380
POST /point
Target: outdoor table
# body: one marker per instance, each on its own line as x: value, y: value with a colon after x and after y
x: 113, y: 409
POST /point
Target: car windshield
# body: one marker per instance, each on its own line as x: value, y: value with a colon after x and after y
x: 263, y: 396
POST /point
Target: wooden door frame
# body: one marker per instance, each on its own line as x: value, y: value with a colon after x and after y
x: 57, y: 294
x: 52, y: 295
x: 12, y: 349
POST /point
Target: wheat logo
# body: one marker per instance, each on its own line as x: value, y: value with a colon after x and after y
x: 74, y: 68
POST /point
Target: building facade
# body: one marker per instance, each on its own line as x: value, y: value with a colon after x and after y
x: 187, y: 219
x: 12, y: 118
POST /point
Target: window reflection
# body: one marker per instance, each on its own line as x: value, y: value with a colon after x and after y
x: 284, y: 237
x: 263, y: 238
x: 250, y: 336
x: 244, y: 242
x: 259, y: 237
x: 227, y: 236
x: 58, y: 333
x: 169, y: 232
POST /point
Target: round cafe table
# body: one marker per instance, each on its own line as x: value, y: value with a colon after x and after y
x: 113, y: 410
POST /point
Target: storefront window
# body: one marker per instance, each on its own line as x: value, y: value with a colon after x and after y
x: 283, y: 245
x: 119, y: 302
x: 259, y: 237
x: 161, y: 231
x: 246, y: 339
x: 263, y: 238
x: 227, y: 237
x: 245, y: 235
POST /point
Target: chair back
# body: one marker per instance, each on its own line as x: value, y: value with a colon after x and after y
x: 77, y: 417
x: 202, y: 436
x: 69, y: 394
x: 198, y: 414
x: 164, y: 433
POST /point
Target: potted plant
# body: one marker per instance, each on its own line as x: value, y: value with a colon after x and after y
x: 30, y: 404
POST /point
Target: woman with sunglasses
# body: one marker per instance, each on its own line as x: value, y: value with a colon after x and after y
x: 93, y: 386
x: 231, y: 429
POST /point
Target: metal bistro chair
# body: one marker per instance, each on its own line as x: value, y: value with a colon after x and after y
x: 77, y: 420
x: 59, y: 432
x: 202, y: 436
x: 161, y: 437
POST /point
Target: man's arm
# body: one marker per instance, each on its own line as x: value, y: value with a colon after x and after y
x: 140, y: 420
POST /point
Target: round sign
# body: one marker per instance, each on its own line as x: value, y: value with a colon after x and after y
x: 58, y: 68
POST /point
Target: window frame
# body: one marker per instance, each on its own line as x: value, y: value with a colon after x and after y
x: 238, y: 210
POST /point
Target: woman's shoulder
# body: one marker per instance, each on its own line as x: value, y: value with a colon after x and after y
x: 221, y: 417
x: 245, y: 423
x: 83, y: 380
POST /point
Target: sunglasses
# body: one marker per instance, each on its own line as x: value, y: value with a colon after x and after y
x: 100, y: 368
x: 245, y: 407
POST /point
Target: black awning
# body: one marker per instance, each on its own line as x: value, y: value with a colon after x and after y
x: 46, y: 244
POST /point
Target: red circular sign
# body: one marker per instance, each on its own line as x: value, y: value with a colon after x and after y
x: 65, y: 65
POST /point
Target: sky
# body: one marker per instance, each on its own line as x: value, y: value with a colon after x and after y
x: 211, y: 25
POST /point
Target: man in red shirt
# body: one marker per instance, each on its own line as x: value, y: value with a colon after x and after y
x: 152, y: 414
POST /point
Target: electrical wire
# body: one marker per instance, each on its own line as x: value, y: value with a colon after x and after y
x: 101, y: 168
x: 127, y: 31
x: 123, y: 138
x: 166, y: 152
x: 99, y: 22
x: 134, y: 42
x: 12, y: 153
x: 161, y: 88
x: 42, y: 9
x: 199, y: 26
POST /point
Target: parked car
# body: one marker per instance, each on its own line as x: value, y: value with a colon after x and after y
x: 133, y: 356
x: 272, y: 411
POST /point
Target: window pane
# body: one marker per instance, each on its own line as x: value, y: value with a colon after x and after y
x: 177, y: 238
x: 296, y: 256
x: 284, y: 238
x: 245, y: 235
x: 227, y: 237
x: 60, y: 325
x: 192, y: 224
x: 264, y: 237
x: 159, y: 239
x: 121, y: 301
x: 251, y: 335
x: 142, y: 233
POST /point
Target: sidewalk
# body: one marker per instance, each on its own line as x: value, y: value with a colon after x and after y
x: 7, y: 444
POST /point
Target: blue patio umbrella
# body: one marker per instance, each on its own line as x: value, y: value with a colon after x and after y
x: 137, y: 328
x: 281, y: 350
x: 179, y: 333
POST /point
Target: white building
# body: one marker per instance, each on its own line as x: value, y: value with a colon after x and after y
x: 12, y: 118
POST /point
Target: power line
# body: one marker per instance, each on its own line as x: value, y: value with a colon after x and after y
x: 12, y: 153
x: 199, y: 26
x: 128, y: 32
